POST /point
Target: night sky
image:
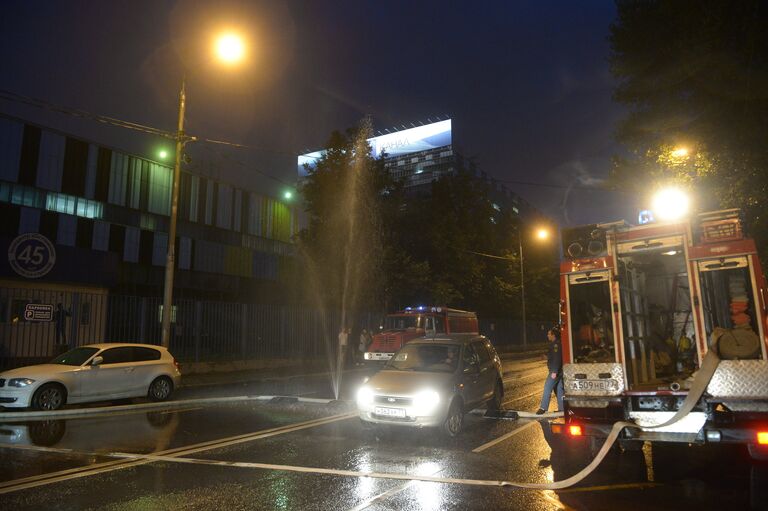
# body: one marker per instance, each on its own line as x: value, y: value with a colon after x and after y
x: 527, y: 83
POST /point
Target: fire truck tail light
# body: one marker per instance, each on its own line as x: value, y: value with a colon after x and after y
x: 575, y: 430
x: 762, y: 437
x: 557, y: 428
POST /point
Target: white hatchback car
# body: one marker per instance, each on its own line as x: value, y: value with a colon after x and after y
x: 95, y: 372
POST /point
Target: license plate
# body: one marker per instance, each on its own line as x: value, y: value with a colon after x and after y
x: 390, y: 412
x: 593, y: 385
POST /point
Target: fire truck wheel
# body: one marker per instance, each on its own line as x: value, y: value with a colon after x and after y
x: 494, y: 405
x: 455, y: 419
x: 758, y: 453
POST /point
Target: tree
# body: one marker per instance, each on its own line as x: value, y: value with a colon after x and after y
x: 342, y: 245
x: 370, y: 246
x: 694, y: 75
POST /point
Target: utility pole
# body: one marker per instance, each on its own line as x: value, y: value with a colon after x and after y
x: 170, y: 259
x: 522, y: 290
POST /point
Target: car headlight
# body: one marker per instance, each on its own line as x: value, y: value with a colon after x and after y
x: 425, y: 402
x: 365, y: 396
x: 20, y: 382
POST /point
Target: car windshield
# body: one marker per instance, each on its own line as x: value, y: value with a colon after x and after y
x: 434, y: 358
x: 403, y: 322
x: 75, y: 357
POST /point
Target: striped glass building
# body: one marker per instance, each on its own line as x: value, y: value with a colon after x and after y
x: 107, y: 213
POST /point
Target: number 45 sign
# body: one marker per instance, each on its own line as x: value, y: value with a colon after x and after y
x: 31, y: 255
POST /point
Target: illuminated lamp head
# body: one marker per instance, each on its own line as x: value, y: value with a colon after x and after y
x: 670, y: 204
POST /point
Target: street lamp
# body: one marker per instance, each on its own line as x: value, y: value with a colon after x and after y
x: 230, y: 49
x: 542, y: 233
x: 670, y: 204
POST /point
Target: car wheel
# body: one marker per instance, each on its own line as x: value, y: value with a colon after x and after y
x: 50, y: 396
x: 455, y: 419
x: 47, y: 433
x: 494, y: 405
x: 160, y: 389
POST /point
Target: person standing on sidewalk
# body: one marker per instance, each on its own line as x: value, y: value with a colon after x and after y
x: 343, y: 343
x: 362, y: 347
x: 61, y: 326
x: 555, y: 373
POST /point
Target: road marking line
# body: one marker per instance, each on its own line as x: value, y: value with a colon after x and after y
x: 551, y: 496
x: 504, y: 437
x: 608, y: 487
x: 397, y: 489
x: 149, y: 458
x: 53, y: 477
x: 394, y: 491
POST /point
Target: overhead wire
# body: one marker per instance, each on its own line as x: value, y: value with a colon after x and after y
x: 83, y: 114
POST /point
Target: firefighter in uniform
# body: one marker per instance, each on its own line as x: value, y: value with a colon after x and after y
x: 555, y: 372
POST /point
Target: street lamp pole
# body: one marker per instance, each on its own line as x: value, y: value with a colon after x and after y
x: 170, y: 259
x: 522, y: 291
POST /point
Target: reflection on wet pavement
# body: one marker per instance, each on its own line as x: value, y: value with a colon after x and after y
x: 657, y: 477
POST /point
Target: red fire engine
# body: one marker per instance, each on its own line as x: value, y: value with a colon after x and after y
x: 640, y: 306
x: 403, y: 326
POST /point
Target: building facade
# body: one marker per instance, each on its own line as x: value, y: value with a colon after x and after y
x: 419, y: 155
x: 106, y: 215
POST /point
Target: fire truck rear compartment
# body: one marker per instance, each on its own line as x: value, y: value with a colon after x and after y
x: 657, y: 320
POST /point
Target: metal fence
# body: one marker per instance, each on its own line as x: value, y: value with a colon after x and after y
x: 201, y: 330
x: 507, y: 333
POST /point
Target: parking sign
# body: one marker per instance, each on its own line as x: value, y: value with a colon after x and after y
x: 31, y: 255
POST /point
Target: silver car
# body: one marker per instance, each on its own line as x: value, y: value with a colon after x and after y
x: 432, y: 382
x: 95, y: 372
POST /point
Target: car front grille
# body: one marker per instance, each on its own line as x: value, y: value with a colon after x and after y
x: 393, y: 401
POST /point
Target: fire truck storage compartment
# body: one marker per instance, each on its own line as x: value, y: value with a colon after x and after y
x: 591, y: 319
x: 656, y: 313
x: 728, y: 306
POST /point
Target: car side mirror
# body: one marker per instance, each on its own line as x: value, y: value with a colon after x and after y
x: 97, y: 361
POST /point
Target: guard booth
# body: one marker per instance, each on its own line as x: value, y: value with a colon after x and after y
x: 33, y: 340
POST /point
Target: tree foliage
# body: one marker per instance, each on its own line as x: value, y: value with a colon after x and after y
x: 369, y: 242
x: 694, y: 74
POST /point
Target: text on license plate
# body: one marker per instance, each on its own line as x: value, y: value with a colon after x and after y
x: 593, y: 385
x: 390, y: 412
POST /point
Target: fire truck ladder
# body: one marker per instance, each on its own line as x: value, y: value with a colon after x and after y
x: 635, y: 321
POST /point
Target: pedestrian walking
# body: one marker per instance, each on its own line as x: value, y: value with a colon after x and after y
x: 555, y: 373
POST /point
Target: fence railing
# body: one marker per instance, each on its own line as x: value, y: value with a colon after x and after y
x: 201, y: 330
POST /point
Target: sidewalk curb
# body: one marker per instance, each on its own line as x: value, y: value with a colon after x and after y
x: 259, y: 380
x: 168, y: 405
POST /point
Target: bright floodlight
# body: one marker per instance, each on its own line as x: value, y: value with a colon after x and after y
x: 163, y: 154
x: 230, y: 48
x: 680, y: 152
x: 287, y: 195
x: 542, y: 233
x: 670, y: 204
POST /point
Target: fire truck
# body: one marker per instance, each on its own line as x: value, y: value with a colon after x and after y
x: 640, y: 307
x: 400, y: 327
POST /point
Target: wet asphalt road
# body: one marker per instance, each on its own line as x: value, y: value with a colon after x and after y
x: 234, y: 456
